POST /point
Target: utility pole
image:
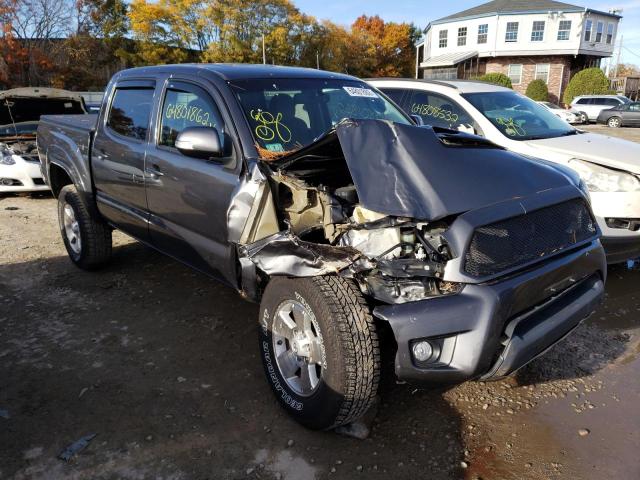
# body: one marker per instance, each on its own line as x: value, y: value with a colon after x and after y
x: 264, y: 52
x: 615, y: 71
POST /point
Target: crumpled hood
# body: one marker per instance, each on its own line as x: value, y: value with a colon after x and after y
x: 601, y: 149
x: 21, y: 105
x: 410, y: 171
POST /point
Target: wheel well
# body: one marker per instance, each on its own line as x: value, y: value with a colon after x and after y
x: 58, y: 178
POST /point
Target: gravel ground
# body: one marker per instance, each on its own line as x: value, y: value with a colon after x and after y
x: 160, y: 364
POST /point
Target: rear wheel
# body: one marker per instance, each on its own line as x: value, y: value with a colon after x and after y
x: 86, y: 238
x: 614, y: 122
x: 320, y: 349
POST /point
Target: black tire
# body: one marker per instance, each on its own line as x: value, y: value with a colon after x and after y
x: 614, y: 122
x: 349, y: 381
x: 584, y: 118
x: 94, y: 233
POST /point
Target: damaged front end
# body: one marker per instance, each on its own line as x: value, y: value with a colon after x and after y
x: 371, y: 200
x: 481, y: 255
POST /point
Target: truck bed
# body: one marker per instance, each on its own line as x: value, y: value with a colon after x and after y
x: 66, y: 140
x: 82, y: 122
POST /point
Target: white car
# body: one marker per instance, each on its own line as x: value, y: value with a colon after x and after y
x: 610, y: 167
x: 20, y: 111
x: 568, y: 116
x: 590, y: 106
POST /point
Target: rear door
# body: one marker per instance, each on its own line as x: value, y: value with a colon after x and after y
x: 632, y: 114
x: 118, y: 156
x: 188, y: 197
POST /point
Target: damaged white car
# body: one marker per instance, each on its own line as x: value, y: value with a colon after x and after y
x: 20, y: 111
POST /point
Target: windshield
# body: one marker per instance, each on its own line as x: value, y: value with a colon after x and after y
x: 518, y: 117
x: 288, y: 114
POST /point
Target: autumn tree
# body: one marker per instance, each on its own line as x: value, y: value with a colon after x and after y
x: 32, y: 30
x: 390, y: 46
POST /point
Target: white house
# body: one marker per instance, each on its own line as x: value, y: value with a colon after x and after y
x: 524, y: 39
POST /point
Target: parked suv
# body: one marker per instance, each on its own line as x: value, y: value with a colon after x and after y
x: 609, y: 167
x: 312, y: 193
x: 590, y: 106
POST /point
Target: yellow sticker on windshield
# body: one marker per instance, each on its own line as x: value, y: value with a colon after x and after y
x: 511, y: 128
x: 270, y: 127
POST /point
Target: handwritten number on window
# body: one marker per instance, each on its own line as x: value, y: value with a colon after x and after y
x: 426, y: 110
x: 191, y: 114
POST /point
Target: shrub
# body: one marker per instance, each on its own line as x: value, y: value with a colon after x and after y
x: 590, y: 81
x: 497, y: 79
x: 538, y: 91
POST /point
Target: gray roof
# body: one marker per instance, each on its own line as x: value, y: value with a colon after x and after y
x: 512, y: 6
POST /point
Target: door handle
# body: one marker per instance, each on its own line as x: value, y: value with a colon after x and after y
x: 154, y: 171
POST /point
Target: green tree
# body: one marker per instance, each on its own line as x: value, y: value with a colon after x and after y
x: 590, y: 81
x: 497, y: 79
x: 538, y: 91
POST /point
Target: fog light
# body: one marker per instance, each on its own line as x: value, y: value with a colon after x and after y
x: 422, y: 351
x: 6, y: 181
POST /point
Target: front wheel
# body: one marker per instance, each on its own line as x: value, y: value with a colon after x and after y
x: 320, y: 350
x: 583, y: 118
x: 614, y: 122
x: 86, y: 238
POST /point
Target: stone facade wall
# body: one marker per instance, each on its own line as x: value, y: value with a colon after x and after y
x: 559, y: 72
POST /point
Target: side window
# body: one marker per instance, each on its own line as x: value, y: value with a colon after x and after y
x: 583, y: 101
x: 130, y: 111
x: 610, y: 102
x: 635, y: 107
x: 185, y: 106
x: 436, y: 110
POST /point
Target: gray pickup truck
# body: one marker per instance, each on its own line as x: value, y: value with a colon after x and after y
x: 312, y: 193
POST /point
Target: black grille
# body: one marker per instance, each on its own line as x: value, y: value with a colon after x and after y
x: 519, y: 240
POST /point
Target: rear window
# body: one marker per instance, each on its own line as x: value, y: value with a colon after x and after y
x: 130, y: 111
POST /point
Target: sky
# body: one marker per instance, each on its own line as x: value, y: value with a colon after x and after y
x: 421, y: 12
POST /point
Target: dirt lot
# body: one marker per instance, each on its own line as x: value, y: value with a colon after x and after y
x: 161, y: 364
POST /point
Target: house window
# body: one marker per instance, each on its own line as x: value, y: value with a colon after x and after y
x: 609, y: 33
x: 564, y: 29
x: 599, y: 31
x: 483, y: 30
x: 512, y: 32
x: 587, y: 31
x: 542, y: 72
x: 443, y: 38
x: 462, y: 36
x: 537, y: 33
x: 515, y: 74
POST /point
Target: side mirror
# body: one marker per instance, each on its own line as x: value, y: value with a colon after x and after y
x: 418, y: 119
x: 199, y: 142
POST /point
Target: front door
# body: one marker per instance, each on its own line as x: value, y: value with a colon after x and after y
x: 188, y: 197
x: 117, y: 157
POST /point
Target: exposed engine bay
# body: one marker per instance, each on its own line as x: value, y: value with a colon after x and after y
x: 23, y: 147
x: 365, y: 201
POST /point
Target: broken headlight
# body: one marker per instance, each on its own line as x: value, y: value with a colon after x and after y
x: 403, y: 290
x: 6, y: 156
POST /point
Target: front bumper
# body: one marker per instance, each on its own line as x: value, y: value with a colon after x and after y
x: 489, y: 331
x: 620, y: 244
x: 26, y: 173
